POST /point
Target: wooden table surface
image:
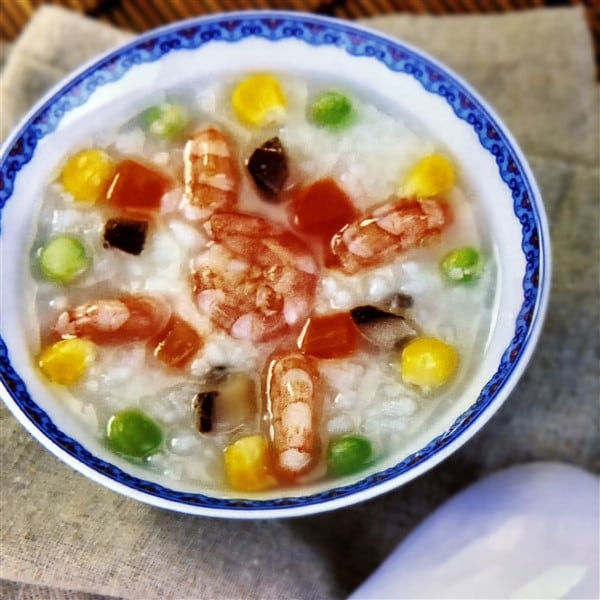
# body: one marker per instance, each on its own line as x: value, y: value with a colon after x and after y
x: 140, y: 15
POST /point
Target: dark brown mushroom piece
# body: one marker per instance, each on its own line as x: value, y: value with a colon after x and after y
x: 268, y: 168
x: 204, y: 407
x: 237, y: 401
x: 381, y: 328
x: 128, y: 235
x: 230, y: 402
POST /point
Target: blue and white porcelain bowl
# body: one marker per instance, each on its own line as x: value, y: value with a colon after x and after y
x: 399, y: 78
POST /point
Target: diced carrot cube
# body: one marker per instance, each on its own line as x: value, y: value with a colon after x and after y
x: 136, y: 187
x: 329, y: 336
x: 177, y: 343
x: 321, y: 209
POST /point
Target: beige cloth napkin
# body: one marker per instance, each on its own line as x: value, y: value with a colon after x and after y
x: 64, y: 537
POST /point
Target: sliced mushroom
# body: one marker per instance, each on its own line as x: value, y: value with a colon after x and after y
x: 228, y: 402
x: 204, y: 404
x: 237, y: 400
x: 268, y: 168
x: 381, y: 328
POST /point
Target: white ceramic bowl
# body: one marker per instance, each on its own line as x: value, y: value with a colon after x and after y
x: 403, y: 78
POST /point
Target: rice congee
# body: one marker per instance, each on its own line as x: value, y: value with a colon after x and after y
x: 259, y: 283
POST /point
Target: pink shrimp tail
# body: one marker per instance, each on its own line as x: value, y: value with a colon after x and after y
x: 116, y: 321
x: 210, y: 173
x: 294, y: 400
x: 392, y: 228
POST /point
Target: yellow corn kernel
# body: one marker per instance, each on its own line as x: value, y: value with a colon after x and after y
x: 247, y: 464
x: 258, y: 100
x: 87, y: 175
x: 428, y: 362
x: 431, y: 176
x: 66, y: 361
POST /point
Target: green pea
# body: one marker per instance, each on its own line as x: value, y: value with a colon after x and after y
x: 462, y: 265
x: 133, y: 434
x: 165, y: 120
x: 63, y: 258
x: 331, y: 109
x: 349, y: 454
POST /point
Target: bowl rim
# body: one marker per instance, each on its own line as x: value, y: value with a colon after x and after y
x: 357, y: 40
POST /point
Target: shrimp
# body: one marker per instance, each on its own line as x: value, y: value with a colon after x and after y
x: 115, y: 321
x: 395, y: 226
x: 258, y: 279
x: 294, y: 400
x: 211, y: 176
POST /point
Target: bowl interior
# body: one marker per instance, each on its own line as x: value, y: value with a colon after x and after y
x: 395, y: 77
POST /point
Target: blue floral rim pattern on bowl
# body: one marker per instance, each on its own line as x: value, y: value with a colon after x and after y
x: 314, y: 31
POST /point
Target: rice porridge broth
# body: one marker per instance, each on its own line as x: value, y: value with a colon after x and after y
x: 362, y: 393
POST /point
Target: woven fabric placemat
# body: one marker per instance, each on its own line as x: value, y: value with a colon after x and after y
x: 65, y: 537
x: 141, y: 15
